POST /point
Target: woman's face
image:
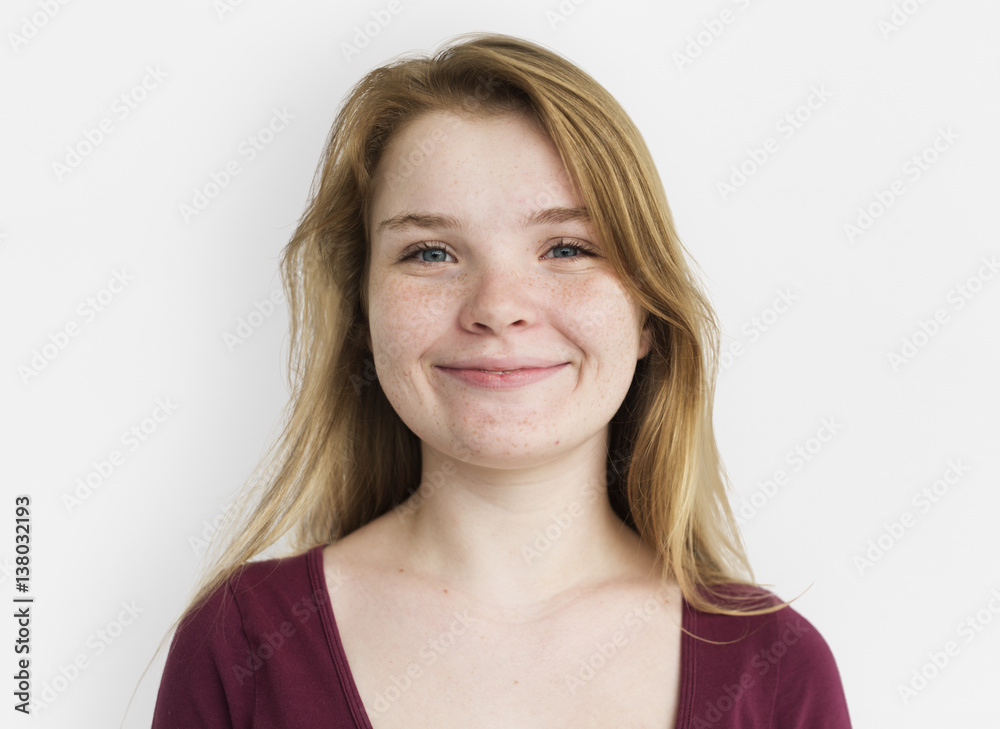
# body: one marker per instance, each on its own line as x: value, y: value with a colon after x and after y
x: 500, y: 285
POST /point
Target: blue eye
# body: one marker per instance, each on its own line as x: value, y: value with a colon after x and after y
x: 585, y: 250
x: 432, y: 249
x: 416, y: 250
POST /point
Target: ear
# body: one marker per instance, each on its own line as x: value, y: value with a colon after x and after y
x: 646, y: 343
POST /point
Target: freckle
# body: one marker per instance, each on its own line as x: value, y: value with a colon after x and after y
x: 400, y: 569
x: 445, y: 591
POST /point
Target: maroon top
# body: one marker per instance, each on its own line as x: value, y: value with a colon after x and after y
x: 265, y: 652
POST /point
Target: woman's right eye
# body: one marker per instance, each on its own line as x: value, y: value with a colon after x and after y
x: 416, y: 252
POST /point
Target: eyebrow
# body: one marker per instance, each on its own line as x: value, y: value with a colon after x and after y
x: 440, y: 221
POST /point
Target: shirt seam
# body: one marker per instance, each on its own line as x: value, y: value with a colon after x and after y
x: 777, y: 672
x: 689, y: 663
x: 246, y: 637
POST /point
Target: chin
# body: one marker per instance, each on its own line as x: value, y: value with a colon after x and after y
x: 502, y: 454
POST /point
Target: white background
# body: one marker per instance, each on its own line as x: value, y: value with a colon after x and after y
x: 701, y: 102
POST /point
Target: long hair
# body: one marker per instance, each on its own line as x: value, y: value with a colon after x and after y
x: 345, y: 457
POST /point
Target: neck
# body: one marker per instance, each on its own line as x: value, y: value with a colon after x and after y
x: 520, y: 537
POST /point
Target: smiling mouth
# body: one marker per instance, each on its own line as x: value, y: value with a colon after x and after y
x: 502, y: 379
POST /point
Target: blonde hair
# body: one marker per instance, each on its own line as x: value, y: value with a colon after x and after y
x: 345, y: 457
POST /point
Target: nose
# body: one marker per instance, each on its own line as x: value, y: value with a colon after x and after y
x: 498, y: 298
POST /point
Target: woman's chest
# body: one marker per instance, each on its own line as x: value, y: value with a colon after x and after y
x: 433, y: 661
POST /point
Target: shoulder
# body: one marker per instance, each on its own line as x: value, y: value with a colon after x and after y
x: 748, y: 630
x: 766, y: 640
x: 254, y: 589
x: 279, y: 585
x: 778, y: 659
x: 254, y: 639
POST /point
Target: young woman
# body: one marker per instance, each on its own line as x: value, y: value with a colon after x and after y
x: 499, y: 470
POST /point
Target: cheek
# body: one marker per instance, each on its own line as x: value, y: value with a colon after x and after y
x: 601, y: 317
x: 402, y: 316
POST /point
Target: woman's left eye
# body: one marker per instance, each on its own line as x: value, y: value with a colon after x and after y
x: 569, y: 244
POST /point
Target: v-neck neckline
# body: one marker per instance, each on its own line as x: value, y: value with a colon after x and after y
x: 318, y: 578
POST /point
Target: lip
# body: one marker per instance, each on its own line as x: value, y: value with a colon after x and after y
x: 502, y: 363
x: 490, y: 381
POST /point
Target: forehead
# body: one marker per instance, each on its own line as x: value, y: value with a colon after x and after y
x: 480, y: 169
